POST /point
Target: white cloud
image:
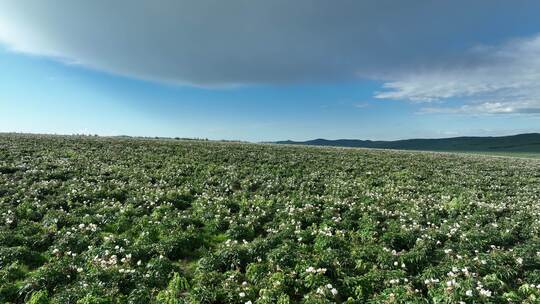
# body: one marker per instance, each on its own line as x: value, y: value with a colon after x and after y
x: 518, y: 107
x: 501, y: 80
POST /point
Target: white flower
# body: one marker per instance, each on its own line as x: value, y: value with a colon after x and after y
x: 242, y: 294
x: 469, y: 293
x: 334, y: 291
x: 485, y: 292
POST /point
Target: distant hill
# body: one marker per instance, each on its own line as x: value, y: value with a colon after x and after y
x: 523, y: 143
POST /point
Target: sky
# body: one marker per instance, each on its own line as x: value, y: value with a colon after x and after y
x: 270, y: 70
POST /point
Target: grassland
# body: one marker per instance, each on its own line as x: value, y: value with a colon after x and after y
x: 102, y: 220
x: 503, y: 154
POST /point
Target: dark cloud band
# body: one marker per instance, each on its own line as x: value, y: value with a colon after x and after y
x: 220, y: 43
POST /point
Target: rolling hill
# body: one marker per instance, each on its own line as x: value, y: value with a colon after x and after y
x: 522, y: 143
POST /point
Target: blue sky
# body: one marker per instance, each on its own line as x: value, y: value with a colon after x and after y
x: 397, y: 80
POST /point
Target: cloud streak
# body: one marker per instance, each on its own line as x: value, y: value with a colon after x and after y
x: 506, y: 80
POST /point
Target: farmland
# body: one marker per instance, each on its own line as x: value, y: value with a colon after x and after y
x: 112, y: 220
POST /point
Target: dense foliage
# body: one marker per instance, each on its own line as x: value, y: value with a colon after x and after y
x: 97, y: 220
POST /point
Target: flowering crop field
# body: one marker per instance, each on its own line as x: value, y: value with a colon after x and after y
x: 112, y: 220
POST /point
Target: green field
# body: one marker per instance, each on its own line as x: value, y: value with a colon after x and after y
x: 504, y: 154
x: 111, y: 220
